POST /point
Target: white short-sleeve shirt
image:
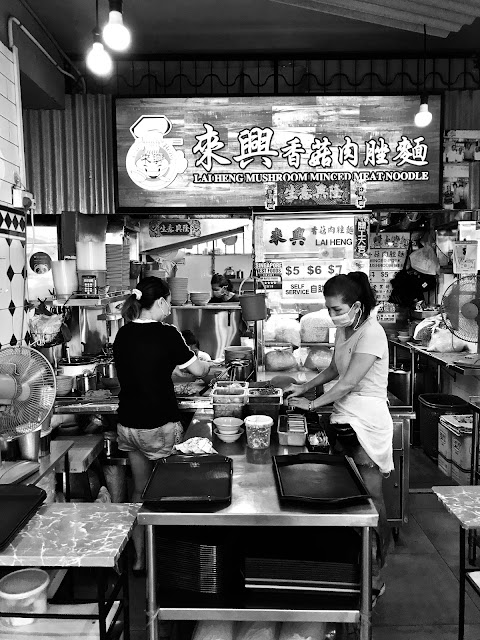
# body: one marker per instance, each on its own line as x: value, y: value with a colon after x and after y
x: 368, y: 338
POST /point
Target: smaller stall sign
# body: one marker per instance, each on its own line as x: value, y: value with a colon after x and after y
x: 174, y: 227
x: 387, y: 257
x: 313, y: 193
x: 309, y: 235
x: 465, y: 257
x: 307, y: 279
x: 270, y: 274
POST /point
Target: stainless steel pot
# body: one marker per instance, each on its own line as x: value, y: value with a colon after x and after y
x: 106, y: 369
x: 77, y: 366
x: 86, y: 382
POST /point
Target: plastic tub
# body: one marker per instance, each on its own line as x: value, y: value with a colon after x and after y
x: 24, y: 591
x: 258, y: 429
x: 432, y: 406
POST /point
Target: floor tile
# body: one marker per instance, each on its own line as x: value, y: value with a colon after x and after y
x: 436, y: 632
x: 442, y: 529
x: 422, y: 501
x: 412, y: 539
x: 420, y: 588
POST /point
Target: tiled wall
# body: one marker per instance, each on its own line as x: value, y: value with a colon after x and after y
x: 9, y: 126
x: 12, y: 277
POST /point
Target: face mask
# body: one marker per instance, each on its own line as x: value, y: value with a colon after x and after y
x: 168, y: 309
x: 345, y: 319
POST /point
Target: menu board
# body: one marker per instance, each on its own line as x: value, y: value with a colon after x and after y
x: 387, y: 256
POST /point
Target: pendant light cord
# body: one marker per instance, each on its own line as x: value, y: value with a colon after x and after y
x: 424, y: 58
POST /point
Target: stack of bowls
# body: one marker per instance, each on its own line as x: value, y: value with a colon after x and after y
x: 199, y: 298
x: 64, y: 385
x: 228, y: 429
x: 179, y: 290
x: 403, y: 336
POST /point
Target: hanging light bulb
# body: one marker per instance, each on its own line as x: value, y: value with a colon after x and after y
x: 98, y: 60
x: 423, y: 118
x: 115, y: 34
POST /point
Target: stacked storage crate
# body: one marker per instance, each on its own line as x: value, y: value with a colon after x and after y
x: 455, y: 447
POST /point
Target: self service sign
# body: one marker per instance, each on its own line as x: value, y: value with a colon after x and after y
x: 273, y: 152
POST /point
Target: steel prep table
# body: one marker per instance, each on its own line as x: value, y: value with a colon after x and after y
x: 255, y: 503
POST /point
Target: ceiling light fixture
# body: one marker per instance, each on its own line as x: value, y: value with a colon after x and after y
x: 98, y: 60
x: 423, y: 118
x: 115, y: 34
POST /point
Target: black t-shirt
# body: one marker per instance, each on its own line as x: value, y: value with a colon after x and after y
x: 146, y: 353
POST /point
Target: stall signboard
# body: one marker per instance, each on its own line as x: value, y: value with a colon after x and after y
x: 275, y: 151
x: 325, y: 238
x: 174, y: 227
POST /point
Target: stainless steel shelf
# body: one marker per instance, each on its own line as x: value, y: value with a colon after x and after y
x: 92, y: 301
x: 264, y: 615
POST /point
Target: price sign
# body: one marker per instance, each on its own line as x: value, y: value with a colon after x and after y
x: 300, y: 290
x: 311, y: 269
x: 379, y: 275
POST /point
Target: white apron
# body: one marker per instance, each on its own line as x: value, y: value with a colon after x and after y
x: 372, y: 422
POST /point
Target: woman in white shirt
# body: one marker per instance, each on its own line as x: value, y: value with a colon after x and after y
x: 360, y: 419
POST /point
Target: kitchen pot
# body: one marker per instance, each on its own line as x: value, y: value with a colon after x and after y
x: 86, y: 381
x: 77, y: 366
x: 253, y: 304
x: 240, y: 362
x: 106, y: 369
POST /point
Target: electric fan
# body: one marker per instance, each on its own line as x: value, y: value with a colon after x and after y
x: 460, y: 309
x: 27, y: 395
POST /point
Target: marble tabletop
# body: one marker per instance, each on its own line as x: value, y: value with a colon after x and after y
x: 71, y: 534
x: 463, y: 503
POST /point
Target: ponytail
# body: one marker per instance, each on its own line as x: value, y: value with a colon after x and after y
x: 143, y: 296
x: 352, y: 287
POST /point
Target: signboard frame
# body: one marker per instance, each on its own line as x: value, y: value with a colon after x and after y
x: 212, y: 208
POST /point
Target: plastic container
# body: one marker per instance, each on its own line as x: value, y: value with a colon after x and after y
x: 264, y: 409
x: 24, y: 591
x: 229, y: 395
x: 444, y: 442
x: 65, y: 279
x: 263, y: 396
x: 462, y: 451
x: 228, y: 410
x: 432, y: 406
x: 444, y: 465
x: 290, y: 438
x: 461, y: 476
x: 258, y: 429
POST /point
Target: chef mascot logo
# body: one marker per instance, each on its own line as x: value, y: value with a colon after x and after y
x: 152, y: 161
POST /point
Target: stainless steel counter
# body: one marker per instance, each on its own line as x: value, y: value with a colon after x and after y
x: 255, y: 503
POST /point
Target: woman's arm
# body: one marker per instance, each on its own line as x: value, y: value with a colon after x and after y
x: 198, y: 368
x: 360, y: 364
x: 327, y: 375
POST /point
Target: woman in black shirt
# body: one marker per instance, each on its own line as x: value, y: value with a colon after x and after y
x: 146, y: 351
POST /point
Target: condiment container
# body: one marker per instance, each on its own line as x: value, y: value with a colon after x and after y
x: 229, y: 395
x: 24, y: 591
x: 288, y: 437
x: 228, y: 410
x: 258, y: 429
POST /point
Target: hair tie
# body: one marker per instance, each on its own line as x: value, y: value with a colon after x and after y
x: 137, y: 293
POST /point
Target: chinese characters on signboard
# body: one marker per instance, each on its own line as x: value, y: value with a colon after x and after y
x: 315, y: 150
x: 157, y: 228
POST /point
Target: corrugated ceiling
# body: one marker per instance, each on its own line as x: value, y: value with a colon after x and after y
x: 441, y: 17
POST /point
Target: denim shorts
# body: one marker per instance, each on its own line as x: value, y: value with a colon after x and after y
x: 153, y: 443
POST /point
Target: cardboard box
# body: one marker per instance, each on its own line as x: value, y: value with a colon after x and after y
x: 444, y: 465
x: 445, y: 442
x: 462, y: 451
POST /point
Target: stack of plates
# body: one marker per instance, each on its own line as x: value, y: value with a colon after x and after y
x: 199, y: 299
x: 179, y: 290
x: 118, y: 267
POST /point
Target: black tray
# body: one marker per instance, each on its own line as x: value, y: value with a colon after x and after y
x: 319, y: 478
x: 18, y: 503
x: 183, y: 478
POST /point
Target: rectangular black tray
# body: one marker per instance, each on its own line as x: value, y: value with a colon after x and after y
x: 18, y: 503
x: 319, y: 478
x: 188, y: 478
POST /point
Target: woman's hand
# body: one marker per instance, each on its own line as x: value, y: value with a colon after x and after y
x: 299, y: 403
x: 293, y: 391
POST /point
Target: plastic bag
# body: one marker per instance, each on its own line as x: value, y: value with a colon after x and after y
x: 282, y: 328
x: 443, y: 340
x: 314, y: 326
x: 280, y: 360
x: 303, y: 631
x: 423, y: 330
x: 214, y: 630
x: 318, y: 359
x: 257, y: 631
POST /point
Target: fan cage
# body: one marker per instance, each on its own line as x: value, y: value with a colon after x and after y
x: 460, y: 292
x: 34, y: 371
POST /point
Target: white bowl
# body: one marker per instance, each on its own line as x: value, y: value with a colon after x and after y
x: 228, y: 437
x: 228, y: 424
x: 403, y: 338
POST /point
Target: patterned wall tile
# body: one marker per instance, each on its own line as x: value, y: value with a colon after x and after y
x: 6, y: 327
x: 12, y: 248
